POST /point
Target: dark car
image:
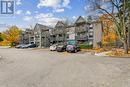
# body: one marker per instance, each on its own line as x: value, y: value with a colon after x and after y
x: 32, y: 46
x: 72, y: 48
x: 29, y: 46
x: 61, y: 48
x: 19, y: 46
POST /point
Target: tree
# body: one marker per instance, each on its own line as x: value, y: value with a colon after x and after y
x: 1, y: 38
x: 109, y: 34
x: 12, y: 35
x: 119, y: 13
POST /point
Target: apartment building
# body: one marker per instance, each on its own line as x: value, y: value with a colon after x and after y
x: 58, y: 34
x: 80, y: 32
x: 71, y: 34
x: 27, y: 37
x: 84, y: 31
x: 42, y: 35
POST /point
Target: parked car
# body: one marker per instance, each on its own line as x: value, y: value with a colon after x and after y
x: 61, y: 48
x: 72, y: 48
x: 19, y: 46
x: 29, y: 46
x: 53, y: 47
x: 24, y: 46
x: 32, y: 46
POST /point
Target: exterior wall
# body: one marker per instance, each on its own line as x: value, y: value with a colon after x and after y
x: 84, y: 33
x: 24, y: 39
x: 80, y: 32
x: 71, y: 35
x: 37, y: 35
x: 45, y: 38
x: 90, y: 33
x: 42, y: 35
x: 97, y: 36
x: 59, y: 33
x: 31, y: 40
x: 27, y: 37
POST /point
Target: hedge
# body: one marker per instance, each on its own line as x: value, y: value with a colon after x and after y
x: 86, y: 46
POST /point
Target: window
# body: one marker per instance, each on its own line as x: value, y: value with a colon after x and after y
x: 60, y: 35
x: 90, y: 36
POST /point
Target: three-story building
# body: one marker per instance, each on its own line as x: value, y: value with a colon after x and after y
x: 42, y: 35
x: 80, y: 32
x: 27, y: 37
x: 59, y: 33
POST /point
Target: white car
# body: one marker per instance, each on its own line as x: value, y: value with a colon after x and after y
x: 53, y: 47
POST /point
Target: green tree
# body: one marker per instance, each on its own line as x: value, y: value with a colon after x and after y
x: 1, y: 38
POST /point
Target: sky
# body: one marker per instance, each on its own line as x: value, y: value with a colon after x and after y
x: 46, y: 12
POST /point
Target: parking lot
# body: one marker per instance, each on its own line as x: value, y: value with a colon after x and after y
x: 43, y: 68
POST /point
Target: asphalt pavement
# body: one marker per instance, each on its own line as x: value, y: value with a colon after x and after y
x: 43, y: 68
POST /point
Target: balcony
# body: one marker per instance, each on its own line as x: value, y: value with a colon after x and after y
x: 52, y: 39
x: 59, y: 31
x: 82, y: 38
x: 81, y: 29
x: 59, y: 38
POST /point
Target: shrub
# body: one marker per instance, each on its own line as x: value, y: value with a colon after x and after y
x: 86, y: 46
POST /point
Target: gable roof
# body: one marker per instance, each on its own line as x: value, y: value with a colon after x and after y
x: 80, y: 20
x: 59, y: 23
x: 41, y: 27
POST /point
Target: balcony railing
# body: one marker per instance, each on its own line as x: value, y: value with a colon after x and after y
x: 81, y: 29
x: 52, y: 39
x: 59, y: 38
x: 82, y: 38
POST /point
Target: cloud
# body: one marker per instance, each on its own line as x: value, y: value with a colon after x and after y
x: 66, y: 3
x: 57, y: 5
x: 27, y: 18
x: 59, y: 10
x: 49, y: 3
x: 44, y: 15
x: 88, y: 7
x: 47, y: 19
x: 74, y: 17
x: 28, y: 13
x: 18, y: 12
x: 18, y: 2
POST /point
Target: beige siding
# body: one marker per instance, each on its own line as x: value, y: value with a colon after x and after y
x: 97, y: 34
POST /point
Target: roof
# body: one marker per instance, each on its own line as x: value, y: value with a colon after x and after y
x: 80, y: 20
x: 60, y: 23
x: 41, y: 27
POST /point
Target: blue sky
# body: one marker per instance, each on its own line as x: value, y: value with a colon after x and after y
x: 46, y: 12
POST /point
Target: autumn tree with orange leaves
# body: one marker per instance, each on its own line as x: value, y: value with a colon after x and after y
x: 119, y: 14
x: 11, y: 36
x: 109, y: 33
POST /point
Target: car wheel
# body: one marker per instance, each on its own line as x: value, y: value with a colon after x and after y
x: 75, y: 50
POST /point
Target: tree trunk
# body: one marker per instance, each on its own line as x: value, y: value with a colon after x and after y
x: 126, y: 47
x: 129, y: 30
